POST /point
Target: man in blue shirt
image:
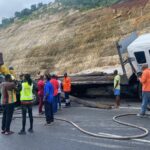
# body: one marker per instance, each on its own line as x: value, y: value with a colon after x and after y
x: 48, y: 100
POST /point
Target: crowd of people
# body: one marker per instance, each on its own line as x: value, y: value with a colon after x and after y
x: 49, y: 89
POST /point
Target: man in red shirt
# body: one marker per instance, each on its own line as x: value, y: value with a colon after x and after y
x: 145, y: 81
x: 40, y: 93
x: 55, y: 84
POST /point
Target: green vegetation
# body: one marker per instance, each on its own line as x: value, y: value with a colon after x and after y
x: 22, y: 14
x: 87, y: 3
x: 27, y: 14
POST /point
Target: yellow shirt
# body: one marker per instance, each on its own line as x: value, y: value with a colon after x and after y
x: 117, y: 80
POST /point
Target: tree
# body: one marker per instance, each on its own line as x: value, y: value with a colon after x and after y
x: 7, y: 21
x: 17, y: 14
x: 40, y: 5
x: 25, y: 12
x: 33, y: 7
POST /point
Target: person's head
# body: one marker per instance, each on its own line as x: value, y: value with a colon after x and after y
x: 8, y: 78
x: 65, y: 74
x: 53, y: 76
x: 145, y: 66
x: 56, y: 77
x: 47, y: 77
x: 115, y: 72
x: 21, y: 77
x: 41, y: 77
x: 11, y: 68
x: 27, y: 78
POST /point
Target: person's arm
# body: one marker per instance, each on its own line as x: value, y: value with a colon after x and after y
x: 143, y: 78
x: 46, y: 88
x: 117, y: 83
x: 117, y: 79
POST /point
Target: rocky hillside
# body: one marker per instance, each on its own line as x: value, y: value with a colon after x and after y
x: 71, y: 40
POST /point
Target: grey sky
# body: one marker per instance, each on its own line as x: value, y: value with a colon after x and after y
x: 8, y: 7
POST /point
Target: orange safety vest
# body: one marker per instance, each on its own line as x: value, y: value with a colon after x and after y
x: 67, y: 84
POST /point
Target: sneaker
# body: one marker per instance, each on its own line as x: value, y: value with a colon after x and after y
x: 41, y: 113
x: 8, y: 133
x: 30, y: 130
x: 3, y: 132
x: 140, y: 115
x: 47, y: 124
x: 22, y: 132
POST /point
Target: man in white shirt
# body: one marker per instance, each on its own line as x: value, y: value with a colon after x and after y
x: 59, y: 92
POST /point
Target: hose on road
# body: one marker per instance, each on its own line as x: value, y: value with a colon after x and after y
x: 105, y: 135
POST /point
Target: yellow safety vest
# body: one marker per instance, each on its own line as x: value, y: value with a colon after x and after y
x: 26, y: 92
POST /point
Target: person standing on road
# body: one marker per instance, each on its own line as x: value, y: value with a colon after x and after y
x: 8, y: 98
x: 117, y: 88
x: 26, y: 103
x: 59, y: 92
x: 55, y: 84
x: 145, y: 81
x: 40, y: 93
x: 19, y: 84
x: 67, y: 89
x: 48, y: 100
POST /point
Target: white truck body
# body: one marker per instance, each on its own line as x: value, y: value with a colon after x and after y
x: 139, y: 51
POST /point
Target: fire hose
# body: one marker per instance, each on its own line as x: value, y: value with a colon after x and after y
x: 104, y: 135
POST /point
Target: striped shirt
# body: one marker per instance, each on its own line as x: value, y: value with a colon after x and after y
x: 8, y: 94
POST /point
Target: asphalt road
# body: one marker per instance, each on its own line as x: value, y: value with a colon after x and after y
x: 63, y: 136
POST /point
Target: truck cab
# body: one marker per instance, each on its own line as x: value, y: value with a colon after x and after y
x: 139, y: 52
x: 133, y: 51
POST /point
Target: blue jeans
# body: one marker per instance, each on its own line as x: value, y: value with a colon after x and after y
x: 145, y: 101
x: 59, y: 100
x: 55, y: 104
x: 67, y: 100
x: 49, y: 112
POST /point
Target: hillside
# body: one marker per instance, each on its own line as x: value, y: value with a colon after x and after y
x: 71, y: 40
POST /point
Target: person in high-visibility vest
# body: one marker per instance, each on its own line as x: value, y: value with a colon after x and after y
x: 67, y: 88
x: 26, y: 103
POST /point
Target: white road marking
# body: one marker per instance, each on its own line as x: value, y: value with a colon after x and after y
x: 137, y: 108
x: 112, y: 146
x: 141, y: 140
x: 138, y: 140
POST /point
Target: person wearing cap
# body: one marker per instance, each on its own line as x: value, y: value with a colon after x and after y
x: 117, y: 88
x: 67, y: 89
x: 145, y: 81
x: 11, y: 70
x: 8, y: 98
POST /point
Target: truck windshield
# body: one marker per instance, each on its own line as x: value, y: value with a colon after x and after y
x: 140, y: 57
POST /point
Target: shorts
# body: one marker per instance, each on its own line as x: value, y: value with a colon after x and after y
x: 117, y: 92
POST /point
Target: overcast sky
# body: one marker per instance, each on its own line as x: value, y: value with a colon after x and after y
x: 8, y: 7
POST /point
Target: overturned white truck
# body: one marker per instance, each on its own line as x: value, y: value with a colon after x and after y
x: 134, y: 51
